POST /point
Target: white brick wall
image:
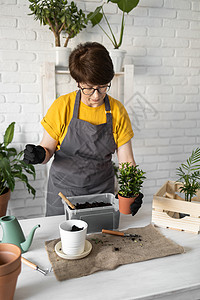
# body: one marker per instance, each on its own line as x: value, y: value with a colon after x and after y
x: 162, y: 40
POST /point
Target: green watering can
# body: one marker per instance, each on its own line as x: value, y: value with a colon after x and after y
x: 13, y: 234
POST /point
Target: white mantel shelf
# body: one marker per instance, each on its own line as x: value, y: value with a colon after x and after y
x: 169, y: 278
x: 122, y: 86
x: 60, y: 71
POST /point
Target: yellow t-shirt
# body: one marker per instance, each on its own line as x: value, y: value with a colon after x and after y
x: 60, y: 113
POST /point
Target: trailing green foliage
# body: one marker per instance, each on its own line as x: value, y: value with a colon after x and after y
x: 125, y: 6
x: 11, y: 165
x: 189, y: 175
x: 60, y: 16
x: 130, y: 180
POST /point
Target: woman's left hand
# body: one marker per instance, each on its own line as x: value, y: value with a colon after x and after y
x: 135, y: 206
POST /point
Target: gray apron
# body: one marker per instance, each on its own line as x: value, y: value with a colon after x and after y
x: 83, y: 164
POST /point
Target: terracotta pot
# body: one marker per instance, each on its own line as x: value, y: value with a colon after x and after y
x: 4, y: 202
x: 124, y: 204
x: 10, y: 268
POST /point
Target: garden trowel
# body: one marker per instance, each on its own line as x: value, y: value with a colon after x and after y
x: 118, y: 233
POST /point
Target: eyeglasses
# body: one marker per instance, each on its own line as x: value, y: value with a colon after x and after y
x: 90, y: 91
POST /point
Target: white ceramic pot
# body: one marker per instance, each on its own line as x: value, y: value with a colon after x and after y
x: 117, y: 56
x: 62, y: 56
x: 73, y: 242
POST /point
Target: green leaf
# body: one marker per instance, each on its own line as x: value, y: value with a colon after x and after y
x: 11, y: 166
x: 6, y: 172
x: 125, y: 5
x: 96, y: 16
x: 8, y: 136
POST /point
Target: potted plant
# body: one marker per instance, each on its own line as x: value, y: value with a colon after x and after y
x: 189, y: 175
x: 96, y: 17
x: 61, y: 17
x: 12, y: 168
x: 130, y: 180
x: 174, y: 210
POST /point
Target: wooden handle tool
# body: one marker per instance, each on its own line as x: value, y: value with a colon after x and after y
x: 119, y: 233
x: 33, y: 266
x: 113, y: 232
x: 66, y: 200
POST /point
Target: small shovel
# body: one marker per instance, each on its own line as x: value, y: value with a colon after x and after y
x: 118, y: 233
x: 33, y: 266
x: 66, y: 200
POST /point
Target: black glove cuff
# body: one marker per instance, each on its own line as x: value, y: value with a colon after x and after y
x: 41, y: 154
x: 135, y: 206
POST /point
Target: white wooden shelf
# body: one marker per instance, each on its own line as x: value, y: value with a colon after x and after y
x: 122, y: 85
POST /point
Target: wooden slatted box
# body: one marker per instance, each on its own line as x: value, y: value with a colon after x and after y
x: 168, y: 203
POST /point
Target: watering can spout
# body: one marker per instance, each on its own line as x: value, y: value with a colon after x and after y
x: 26, y: 244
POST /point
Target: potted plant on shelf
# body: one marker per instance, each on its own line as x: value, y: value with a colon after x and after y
x: 96, y: 17
x: 61, y: 17
x: 12, y: 168
x: 130, y: 180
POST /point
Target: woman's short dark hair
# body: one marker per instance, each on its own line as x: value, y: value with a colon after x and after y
x: 91, y: 63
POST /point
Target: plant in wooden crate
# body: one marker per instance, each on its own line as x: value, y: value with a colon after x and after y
x: 189, y: 175
x: 12, y: 168
x: 130, y: 180
x: 172, y: 210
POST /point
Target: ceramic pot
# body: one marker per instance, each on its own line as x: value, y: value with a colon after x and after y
x: 10, y: 268
x: 124, y: 204
x: 4, y: 202
x: 62, y: 56
x: 117, y: 56
x: 73, y: 242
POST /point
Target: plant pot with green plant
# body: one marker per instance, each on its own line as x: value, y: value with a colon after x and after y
x: 62, y: 18
x: 130, y: 180
x: 12, y: 168
x: 189, y: 175
x: 125, y: 6
x: 176, y: 204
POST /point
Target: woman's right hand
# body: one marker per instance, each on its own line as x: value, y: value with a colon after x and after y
x: 34, y: 154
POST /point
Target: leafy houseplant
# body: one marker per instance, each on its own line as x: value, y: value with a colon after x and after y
x: 189, y: 175
x: 60, y: 17
x: 11, y: 165
x: 125, y: 6
x: 130, y: 180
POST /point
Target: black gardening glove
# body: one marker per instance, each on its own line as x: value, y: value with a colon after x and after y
x: 135, y: 206
x: 34, y: 154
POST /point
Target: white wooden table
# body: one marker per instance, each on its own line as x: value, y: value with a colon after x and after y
x: 172, y: 277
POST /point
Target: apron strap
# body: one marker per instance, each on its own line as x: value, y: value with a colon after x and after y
x: 107, y: 108
x: 76, y: 105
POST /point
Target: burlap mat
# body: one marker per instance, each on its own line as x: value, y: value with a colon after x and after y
x: 109, y: 252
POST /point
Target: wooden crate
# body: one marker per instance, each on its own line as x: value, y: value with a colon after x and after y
x: 168, y: 203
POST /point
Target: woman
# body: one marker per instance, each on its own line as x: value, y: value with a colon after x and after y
x: 82, y: 130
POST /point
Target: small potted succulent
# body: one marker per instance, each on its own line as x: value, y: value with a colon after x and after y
x: 98, y: 15
x: 130, y: 180
x: 62, y: 18
x: 12, y: 167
